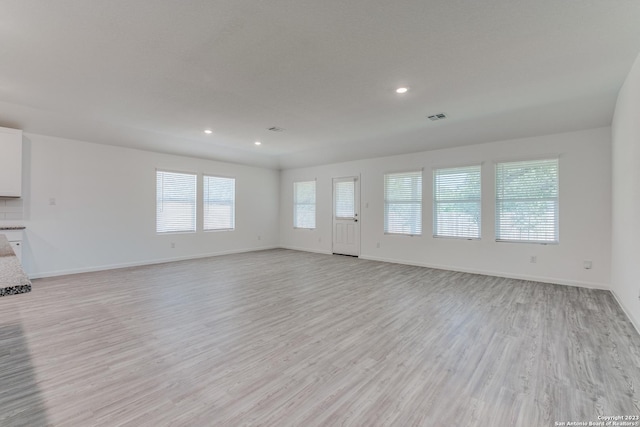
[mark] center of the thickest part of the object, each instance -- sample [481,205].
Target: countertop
[13,280]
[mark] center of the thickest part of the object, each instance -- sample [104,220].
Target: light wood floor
[284,338]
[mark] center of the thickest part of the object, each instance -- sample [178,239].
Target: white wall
[585,211]
[104,212]
[625,278]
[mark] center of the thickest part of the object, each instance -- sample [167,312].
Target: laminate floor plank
[286,338]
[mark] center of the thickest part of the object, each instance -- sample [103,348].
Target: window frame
[336,183]
[195,201]
[295,203]
[387,203]
[556,199]
[204,203]
[477,201]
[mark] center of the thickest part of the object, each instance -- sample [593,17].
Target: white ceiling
[153,74]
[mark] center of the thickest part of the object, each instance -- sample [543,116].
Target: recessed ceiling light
[258,143]
[402,90]
[208,131]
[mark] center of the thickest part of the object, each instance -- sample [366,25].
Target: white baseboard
[543,279]
[141,263]
[635,322]
[316,251]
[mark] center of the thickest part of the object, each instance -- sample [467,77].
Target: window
[527,201]
[304,204]
[456,202]
[219,208]
[403,203]
[175,202]
[345,199]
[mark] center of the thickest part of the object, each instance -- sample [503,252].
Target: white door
[346,225]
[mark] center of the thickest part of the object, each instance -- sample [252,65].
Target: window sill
[457,238]
[165,233]
[532,242]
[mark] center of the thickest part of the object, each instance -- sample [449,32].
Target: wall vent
[276,129]
[438,116]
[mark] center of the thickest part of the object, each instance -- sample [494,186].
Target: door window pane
[345,199]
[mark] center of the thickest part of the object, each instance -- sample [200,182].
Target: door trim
[356,219]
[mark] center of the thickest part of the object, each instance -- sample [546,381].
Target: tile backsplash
[11,209]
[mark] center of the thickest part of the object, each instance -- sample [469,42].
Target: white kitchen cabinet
[15,240]
[10,162]
[17,249]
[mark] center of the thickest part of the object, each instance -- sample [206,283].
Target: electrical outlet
[378,245]
[588,265]
[173,245]
[533,259]
[259,237]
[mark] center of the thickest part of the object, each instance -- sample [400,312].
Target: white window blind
[219,203]
[527,201]
[345,199]
[175,202]
[456,202]
[403,203]
[304,204]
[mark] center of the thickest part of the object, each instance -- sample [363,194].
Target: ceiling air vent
[276,129]
[438,116]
